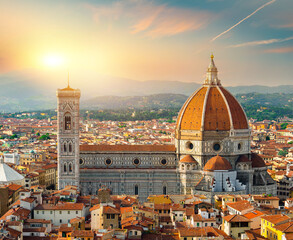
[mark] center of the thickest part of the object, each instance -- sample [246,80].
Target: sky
[252,40]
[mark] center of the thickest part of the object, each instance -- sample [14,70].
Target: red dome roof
[243,158]
[211,108]
[188,159]
[217,163]
[257,161]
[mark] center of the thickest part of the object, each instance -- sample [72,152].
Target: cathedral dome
[217,163]
[211,108]
[188,159]
[257,161]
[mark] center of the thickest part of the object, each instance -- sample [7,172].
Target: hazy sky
[252,40]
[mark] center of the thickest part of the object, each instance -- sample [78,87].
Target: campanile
[68,136]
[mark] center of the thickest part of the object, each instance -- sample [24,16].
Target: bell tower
[68,136]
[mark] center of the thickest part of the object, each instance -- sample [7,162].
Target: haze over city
[101,42]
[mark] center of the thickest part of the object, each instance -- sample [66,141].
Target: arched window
[182,166]
[64,147]
[136,190]
[164,190]
[70,147]
[65,168]
[67,122]
[70,167]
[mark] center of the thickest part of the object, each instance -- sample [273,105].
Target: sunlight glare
[53,60]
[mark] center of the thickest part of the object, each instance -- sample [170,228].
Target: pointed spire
[212,73]
[68,86]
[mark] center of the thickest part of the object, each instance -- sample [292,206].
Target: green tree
[283,153]
[44,137]
[284,125]
[13,136]
[267,138]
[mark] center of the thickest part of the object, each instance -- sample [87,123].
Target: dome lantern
[212,74]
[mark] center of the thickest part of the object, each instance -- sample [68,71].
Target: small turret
[212,74]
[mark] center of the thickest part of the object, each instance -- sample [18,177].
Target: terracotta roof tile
[240,205]
[217,163]
[275,218]
[257,161]
[188,159]
[236,218]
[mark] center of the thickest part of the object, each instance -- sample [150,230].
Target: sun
[53,60]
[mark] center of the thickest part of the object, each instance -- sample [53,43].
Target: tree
[44,137]
[13,136]
[267,138]
[283,153]
[284,125]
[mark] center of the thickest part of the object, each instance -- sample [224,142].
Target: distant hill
[26,91]
[157,101]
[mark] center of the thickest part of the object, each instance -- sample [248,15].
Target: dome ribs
[216,112]
[191,113]
[237,113]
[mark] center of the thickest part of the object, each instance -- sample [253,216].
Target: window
[136,190]
[136,161]
[64,147]
[70,167]
[76,212]
[65,170]
[70,147]
[164,190]
[68,212]
[108,161]
[163,161]
[217,147]
[239,146]
[67,122]
[189,145]
[60,212]
[60,221]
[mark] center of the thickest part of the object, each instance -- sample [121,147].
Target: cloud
[280,50]
[262,42]
[250,15]
[172,21]
[289,25]
[112,12]
[150,19]
[146,22]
